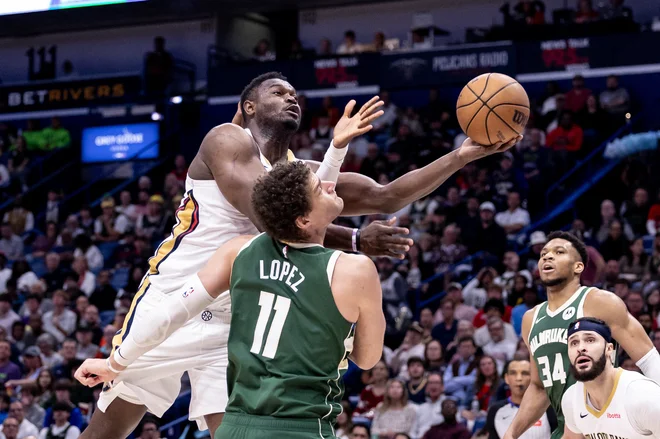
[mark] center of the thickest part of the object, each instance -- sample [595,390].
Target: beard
[553,282]
[591,374]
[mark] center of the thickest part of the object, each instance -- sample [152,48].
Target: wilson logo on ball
[519,118]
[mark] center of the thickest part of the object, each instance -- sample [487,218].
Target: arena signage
[57,95]
[445,66]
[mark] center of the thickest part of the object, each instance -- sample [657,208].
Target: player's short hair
[280,197]
[577,243]
[247,93]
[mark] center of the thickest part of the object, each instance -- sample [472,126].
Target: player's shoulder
[603,304]
[226,138]
[355,265]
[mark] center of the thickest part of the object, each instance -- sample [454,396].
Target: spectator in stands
[576,98]
[154,224]
[262,51]
[128,209]
[494,308]
[85,280]
[593,122]
[60,322]
[433,355]
[344,423]
[498,347]
[25,427]
[23,275]
[46,383]
[56,136]
[63,416]
[9,428]
[323,133]
[567,137]
[462,371]
[68,353]
[450,251]
[109,226]
[615,9]
[553,117]
[462,311]
[378,44]
[515,218]
[149,429]
[105,294]
[494,291]
[607,216]
[374,393]
[390,111]
[361,431]
[411,347]
[636,211]
[55,274]
[87,222]
[86,349]
[445,331]
[635,303]
[529,300]
[417,383]
[350,45]
[7,315]
[615,100]
[32,361]
[63,396]
[19,218]
[395,413]
[488,380]
[33,411]
[616,245]
[585,12]
[159,68]
[8,370]
[450,428]
[86,249]
[475,292]
[46,242]
[33,136]
[429,413]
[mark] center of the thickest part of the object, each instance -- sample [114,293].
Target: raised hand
[471,150]
[349,127]
[381,238]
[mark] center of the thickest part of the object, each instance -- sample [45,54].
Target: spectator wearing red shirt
[494,292]
[576,98]
[567,136]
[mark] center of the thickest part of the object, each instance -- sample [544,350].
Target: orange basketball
[492,108]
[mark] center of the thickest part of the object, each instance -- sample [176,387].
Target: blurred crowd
[453,306]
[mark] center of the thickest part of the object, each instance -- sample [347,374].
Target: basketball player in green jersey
[299,312]
[544,329]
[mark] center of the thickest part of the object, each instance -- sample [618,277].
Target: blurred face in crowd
[487,366]
[108,333]
[653,298]
[360,432]
[646,321]
[448,310]
[612,83]
[5,306]
[635,302]
[464,329]
[395,390]
[5,351]
[82,302]
[434,386]
[59,301]
[16,411]
[426,318]
[412,337]
[149,431]
[641,197]
[92,315]
[18,331]
[35,321]
[494,292]
[637,247]
[45,379]
[621,289]
[453,196]
[612,269]
[84,337]
[559,262]
[519,283]
[68,351]
[448,409]
[615,230]
[379,372]
[513,201]
[607,210]
[10,428]
[32,362]
[518,377]
[60,417]
[6,231]
[578,82]
[455,295]
[434,351]
[416,370]
[487,215]
[52,261]
[466,349]
[472,205]
[511,261]
[496,330]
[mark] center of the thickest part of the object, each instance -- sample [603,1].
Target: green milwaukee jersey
[548,345]
[288,342]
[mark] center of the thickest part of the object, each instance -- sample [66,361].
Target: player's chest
[611,424]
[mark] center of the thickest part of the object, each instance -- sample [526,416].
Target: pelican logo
[519,118]
[408,66]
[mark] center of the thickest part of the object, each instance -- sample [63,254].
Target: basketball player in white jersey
[606,402]
[215,209]
[517,375]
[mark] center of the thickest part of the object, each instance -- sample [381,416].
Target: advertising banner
[120,142]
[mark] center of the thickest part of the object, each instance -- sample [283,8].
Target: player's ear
[578,267]
[249,107]
[302,222]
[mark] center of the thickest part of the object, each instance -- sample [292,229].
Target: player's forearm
[338,238]
[363,196]
[534,404]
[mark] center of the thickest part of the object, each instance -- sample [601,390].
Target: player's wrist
[113,366]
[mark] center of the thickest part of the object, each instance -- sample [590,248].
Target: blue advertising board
[120,142]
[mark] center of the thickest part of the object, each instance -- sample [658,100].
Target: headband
[588,325]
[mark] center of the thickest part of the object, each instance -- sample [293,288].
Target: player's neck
[559,294]
[273,142]
[600,389]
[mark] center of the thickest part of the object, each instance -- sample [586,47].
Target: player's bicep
[229,154]
[526,328]
[216,274]
[370,328]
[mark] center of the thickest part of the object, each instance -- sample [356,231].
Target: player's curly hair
[247,93]
[281,196]
[577,243]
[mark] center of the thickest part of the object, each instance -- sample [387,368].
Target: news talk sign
[40,96]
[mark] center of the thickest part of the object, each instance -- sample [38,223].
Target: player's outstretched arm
[150,329]
[535,401]
[356,283]
[642,405]
[626,330]
[363,196]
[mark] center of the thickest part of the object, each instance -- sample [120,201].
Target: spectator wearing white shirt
[390,112]
[109,226]
[7,315]
[515,218]
[349,46]
[412,346]
[494,308]
[5,273]
[511,262]
[461,310]
[60,322]
[25,427]
[49,358]
[10,243]
[127,208]
[86,281]
[429,413]
[61,427]
[91,253]
[498,347]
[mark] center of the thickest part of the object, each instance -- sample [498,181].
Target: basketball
[492,108]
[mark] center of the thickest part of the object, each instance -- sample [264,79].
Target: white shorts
[154,380]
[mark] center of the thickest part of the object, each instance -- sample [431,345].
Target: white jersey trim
[331,265]
[563,305]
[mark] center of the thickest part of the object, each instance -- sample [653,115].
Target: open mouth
[582,362]
[547,268]
[292,111]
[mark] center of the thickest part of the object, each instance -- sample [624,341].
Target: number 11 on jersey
[282,305]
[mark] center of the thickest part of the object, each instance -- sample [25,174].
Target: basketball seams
[500,118]
[486,125]
[485,104]
[467,128]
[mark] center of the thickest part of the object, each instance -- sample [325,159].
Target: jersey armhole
[247,244]
[537,308]
[332,262]
[580,308]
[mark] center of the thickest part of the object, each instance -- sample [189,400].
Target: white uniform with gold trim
[205,220]
[631,412]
